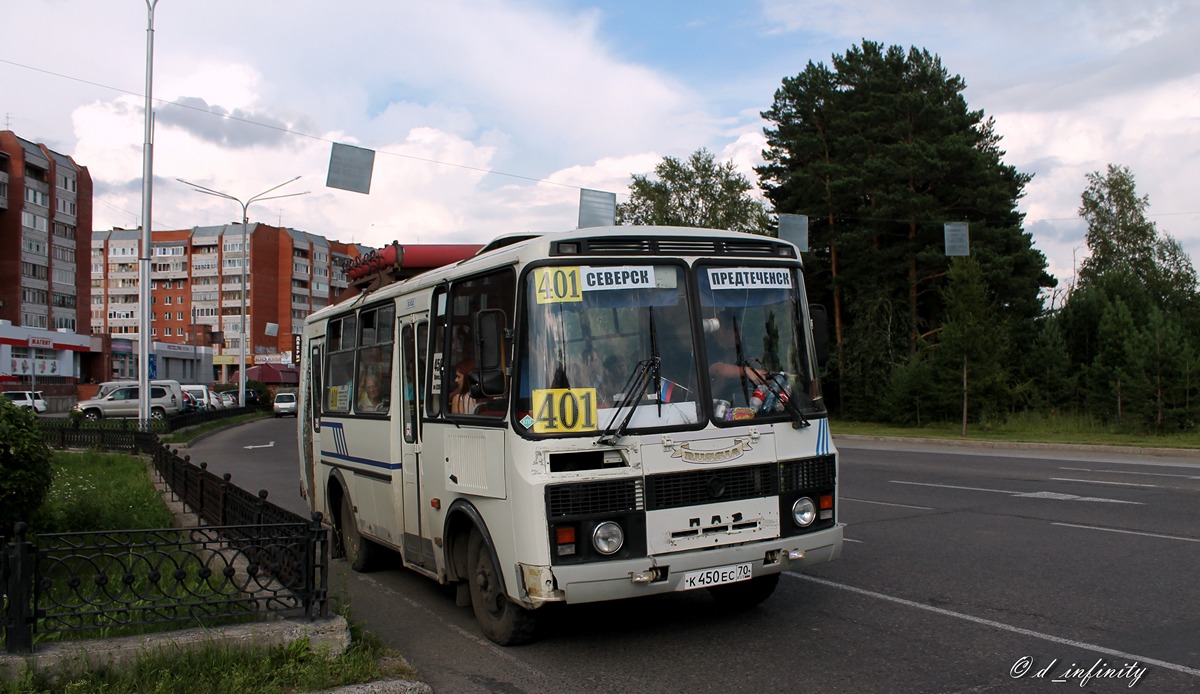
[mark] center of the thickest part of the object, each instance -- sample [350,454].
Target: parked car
[205,398]
[189,403]
[171,385]
[228,399]
[123,402]
[27,400]
[285,404]
[251,398]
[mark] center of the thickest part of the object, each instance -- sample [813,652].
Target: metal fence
[248,557]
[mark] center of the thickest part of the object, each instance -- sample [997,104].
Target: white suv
[27,400]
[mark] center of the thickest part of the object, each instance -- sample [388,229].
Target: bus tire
[360,552]
[745,594]
[501,620]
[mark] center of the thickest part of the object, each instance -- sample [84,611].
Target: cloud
[229,128]
[572,95]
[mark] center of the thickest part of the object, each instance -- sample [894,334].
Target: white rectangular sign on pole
[597,208]
[958,240]
[794,228]
[350,168]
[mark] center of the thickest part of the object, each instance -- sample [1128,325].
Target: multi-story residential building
[196,293]
[45,222]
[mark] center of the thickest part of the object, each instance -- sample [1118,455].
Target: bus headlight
[608,538]
[804,512]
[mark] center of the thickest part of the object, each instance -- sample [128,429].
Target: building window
[37,197]
[33,221]
[37,272]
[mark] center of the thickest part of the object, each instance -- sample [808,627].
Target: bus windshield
[607,345]
[759,362]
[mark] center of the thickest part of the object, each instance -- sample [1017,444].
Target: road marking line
[951,486]
[1027,495]
[846,539]
[884,503]
[1128,532]
[1131,472]
[1119,484]
[999,625]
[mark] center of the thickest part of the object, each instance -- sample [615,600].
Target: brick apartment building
[45,232]
[69,296]
[196,295]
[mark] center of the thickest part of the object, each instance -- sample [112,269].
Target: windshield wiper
[741,359]
[631,397]
[777,390]
[657,361]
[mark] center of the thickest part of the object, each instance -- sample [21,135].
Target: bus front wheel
[360,552]
[501,620]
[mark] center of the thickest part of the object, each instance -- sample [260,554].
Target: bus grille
[809,473]
[591,498]
[679,489]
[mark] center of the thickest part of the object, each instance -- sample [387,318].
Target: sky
[488,116]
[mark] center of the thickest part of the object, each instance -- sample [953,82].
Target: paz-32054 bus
[575,417]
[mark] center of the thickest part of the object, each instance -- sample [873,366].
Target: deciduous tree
[698,192]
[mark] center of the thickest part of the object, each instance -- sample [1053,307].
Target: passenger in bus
[587,370]
[461,401]
[612,382]
[729,378]
[373,395]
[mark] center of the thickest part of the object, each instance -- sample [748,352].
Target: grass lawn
[1026,428]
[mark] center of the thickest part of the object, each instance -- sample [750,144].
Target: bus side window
[492,294]
[436,375]
[339,373]
[376,344]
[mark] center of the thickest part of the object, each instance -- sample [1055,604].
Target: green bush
[25,469]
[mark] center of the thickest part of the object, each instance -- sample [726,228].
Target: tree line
[880,149]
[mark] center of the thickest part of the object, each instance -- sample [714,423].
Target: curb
[382,687]
[68,657]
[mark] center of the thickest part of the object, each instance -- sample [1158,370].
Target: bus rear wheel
[360,552]
[745,594]
[501,620]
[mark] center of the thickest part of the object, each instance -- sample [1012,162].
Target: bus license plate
[715,577]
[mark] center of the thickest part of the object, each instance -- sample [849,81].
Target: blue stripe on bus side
[341,449]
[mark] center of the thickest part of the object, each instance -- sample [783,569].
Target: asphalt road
[965,570]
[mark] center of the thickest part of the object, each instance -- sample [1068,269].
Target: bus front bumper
[615,580]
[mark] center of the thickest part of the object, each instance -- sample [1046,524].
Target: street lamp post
[245,260]
[144,260]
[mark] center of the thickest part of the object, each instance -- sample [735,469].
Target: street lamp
[144,260]
[245,260]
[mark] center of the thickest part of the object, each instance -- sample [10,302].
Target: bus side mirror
[489,352]
[820,333]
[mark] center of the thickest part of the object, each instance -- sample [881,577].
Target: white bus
[574,417]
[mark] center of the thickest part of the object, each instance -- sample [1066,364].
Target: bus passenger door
[414,335]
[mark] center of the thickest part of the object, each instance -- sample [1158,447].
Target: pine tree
[879,151]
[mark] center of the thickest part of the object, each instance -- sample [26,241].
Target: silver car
[123,402]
